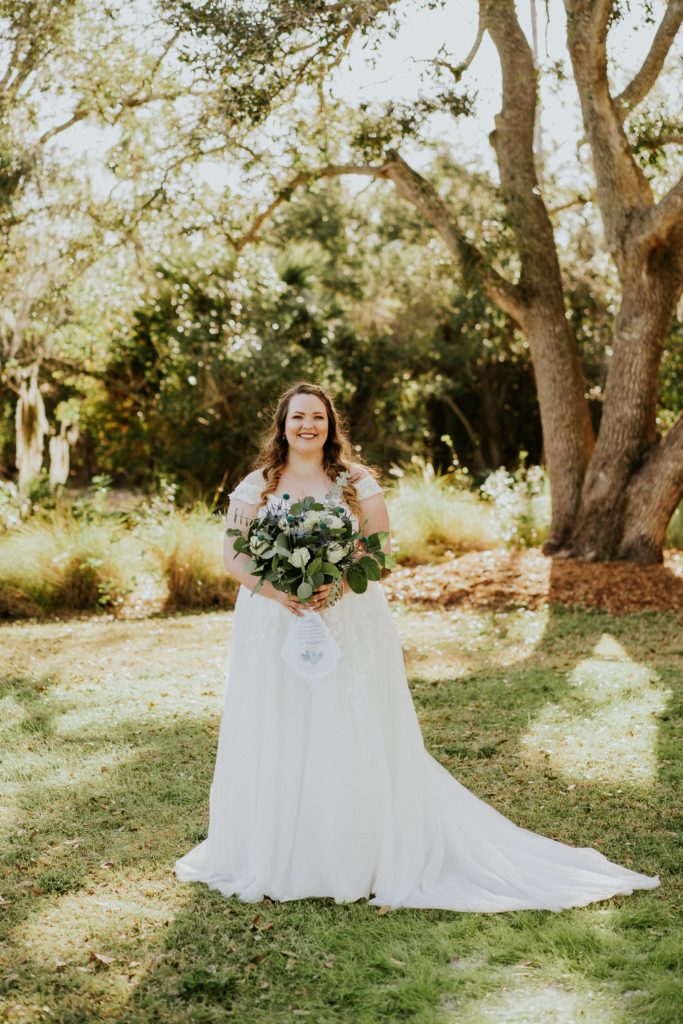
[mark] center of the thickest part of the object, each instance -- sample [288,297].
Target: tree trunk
[613,503]
[491,405]
[652,498]
[565,420]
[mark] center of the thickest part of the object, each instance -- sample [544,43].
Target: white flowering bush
[521,503]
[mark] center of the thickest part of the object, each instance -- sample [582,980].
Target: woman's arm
[240,515]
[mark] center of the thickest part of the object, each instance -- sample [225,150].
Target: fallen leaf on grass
[256,927]
[60,965]
[383,910]
[100,958]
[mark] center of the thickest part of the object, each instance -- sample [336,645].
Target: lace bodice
[250,493]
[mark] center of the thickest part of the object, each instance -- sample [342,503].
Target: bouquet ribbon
[309,647]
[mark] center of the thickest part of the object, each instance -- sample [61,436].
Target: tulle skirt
[325,788]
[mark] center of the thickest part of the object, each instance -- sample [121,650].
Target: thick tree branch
[567,429]
[623,191]
[422,194]
[640,85]
[660,220]
[418,191]
[513,141]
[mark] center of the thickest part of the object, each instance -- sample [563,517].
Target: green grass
[109,731]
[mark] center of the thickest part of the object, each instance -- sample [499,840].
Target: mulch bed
[490,579]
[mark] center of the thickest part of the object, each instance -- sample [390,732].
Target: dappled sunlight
[12,712]
[605,728]
[98,920]
[53,772]
[107,653]
[526,1001]
[453,644]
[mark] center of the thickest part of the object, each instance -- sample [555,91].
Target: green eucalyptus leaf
[357,579]
[370,568]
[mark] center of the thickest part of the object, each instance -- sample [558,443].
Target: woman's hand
[320,595]
[292,603]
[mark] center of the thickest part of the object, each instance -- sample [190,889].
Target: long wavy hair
[338,454]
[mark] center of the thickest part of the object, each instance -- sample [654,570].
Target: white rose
[300,557]
[310,520]
[334,522]
[335,553]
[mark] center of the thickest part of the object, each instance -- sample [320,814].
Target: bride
[325,788]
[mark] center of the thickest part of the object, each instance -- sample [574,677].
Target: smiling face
[307,424]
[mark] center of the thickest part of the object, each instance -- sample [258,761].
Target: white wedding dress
[325,788]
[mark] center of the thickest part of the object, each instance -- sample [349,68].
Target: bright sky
[396,73]
[455,26]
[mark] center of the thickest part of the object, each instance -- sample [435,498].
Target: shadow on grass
[184,953]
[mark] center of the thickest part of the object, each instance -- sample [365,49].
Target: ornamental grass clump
[188,550]
[65,565]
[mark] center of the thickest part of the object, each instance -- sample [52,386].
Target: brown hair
[337,450]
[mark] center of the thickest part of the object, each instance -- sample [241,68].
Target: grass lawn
[564,721]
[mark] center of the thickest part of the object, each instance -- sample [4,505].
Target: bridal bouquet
[311,543]
[305,546]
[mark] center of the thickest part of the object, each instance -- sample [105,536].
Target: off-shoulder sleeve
[247,492]
[367,487]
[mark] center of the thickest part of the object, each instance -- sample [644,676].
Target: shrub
[64,565]
[188,547]
[431,517]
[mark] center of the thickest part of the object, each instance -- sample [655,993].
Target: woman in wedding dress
[324,788]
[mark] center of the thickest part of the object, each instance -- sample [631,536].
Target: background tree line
[157,316]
